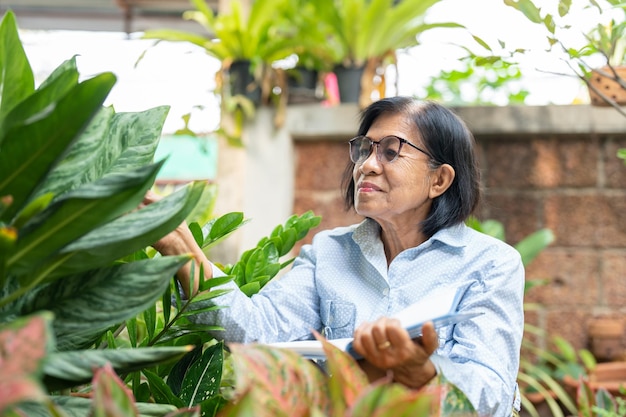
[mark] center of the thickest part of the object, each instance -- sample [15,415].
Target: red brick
[320,165]
[572,275]
[613,278]
[518,213]
[589,219]
[614,168]
[507,163]
[570,324]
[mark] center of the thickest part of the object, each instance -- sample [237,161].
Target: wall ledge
[313,121]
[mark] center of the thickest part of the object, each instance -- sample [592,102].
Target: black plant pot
[349,83]
[302,84]
[242,82]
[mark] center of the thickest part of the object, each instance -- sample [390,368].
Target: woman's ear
[441,180]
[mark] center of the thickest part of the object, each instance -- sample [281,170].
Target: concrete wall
[553,166]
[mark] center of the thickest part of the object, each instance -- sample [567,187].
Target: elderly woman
[412,174]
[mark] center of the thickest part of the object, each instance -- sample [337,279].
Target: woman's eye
[390,154]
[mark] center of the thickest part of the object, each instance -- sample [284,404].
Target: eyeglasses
[388,149]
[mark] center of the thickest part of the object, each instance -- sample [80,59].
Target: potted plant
[247,43]
[364,35]
[313,55]
[277,382]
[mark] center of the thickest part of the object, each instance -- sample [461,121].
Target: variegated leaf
[69,369]
[47,135]
[77,213]
[86,305]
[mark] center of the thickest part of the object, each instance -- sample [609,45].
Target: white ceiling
[102,15]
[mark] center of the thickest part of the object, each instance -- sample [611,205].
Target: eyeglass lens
[388,149]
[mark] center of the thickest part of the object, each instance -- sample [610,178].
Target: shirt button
[386,292]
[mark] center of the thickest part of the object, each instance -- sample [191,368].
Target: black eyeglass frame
[378,156]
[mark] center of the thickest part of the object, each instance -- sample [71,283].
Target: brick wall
[549,167]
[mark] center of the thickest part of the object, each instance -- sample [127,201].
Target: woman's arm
[181,241]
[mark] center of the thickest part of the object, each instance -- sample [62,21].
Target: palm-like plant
[367,33]
[250,41]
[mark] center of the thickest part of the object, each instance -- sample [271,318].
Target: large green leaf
[16,78]
[160,391]
[81,407]
[533,244]
[34,143]
[77,213]
[86,305]
[112,142]
[203,378]
[69,369]
[127,234]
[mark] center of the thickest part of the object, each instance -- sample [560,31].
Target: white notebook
[439,308]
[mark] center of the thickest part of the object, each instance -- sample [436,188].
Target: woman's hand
[180,241]
[386,346]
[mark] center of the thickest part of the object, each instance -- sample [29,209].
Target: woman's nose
[371,163]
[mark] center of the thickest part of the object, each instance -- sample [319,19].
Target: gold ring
[384,345]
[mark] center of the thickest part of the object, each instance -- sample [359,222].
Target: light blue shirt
[341,280]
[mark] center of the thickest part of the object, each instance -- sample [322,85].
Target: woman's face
[398,193]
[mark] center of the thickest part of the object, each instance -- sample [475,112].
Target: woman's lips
[368,187]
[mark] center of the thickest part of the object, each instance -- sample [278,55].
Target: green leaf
[69,369]
[47,135]
[72,406]
[196,231]
[112,142]
[177,373]
[86,305]
[250,288]
[533,244]
[288,240]
[161,392]
[149,317]
[128,233]
[16,79]
[78,212]
[202,380]
[225,224]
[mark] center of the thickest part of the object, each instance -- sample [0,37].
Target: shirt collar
[367,233]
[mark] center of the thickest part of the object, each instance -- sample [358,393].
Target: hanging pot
[242,81]
[303,85]
[600,85]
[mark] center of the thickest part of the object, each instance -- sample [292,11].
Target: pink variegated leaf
[382,399]
[22,350]
[347,379]
[450,400]
[281,380]
[111,397]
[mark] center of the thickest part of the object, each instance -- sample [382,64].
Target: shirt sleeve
[286,309]
[488,347]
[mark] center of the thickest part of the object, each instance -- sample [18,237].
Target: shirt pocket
[338,319]
[445,336]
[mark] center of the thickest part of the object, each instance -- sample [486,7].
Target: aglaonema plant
[276,382]
[72,176]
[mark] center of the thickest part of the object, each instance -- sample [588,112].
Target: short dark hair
[447,138]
